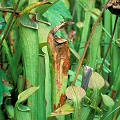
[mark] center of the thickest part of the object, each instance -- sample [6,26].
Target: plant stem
[8,26]
[109,46]
[87,45]
[77,113]
[11,11]
[10,61]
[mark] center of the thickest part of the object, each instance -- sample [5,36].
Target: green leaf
[42,44]
[106,69]
[78,83]
[117,42]
[72,76]
[4,89]
[26,94]
[22,115]
[72,73]
[9,110]
[56,13]
[3,75]
[84,4]
[22,107]
[53,17]
[62,9]
[95,13]
[108,101]
[75,53]
[118,117]
[27,22]
[41,10]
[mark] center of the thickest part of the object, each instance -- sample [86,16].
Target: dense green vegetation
[59,60]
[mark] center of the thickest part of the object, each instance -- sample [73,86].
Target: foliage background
[25,63]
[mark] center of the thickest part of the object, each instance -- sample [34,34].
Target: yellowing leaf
[80,24]
[75,92]
[96,81]
[64,110]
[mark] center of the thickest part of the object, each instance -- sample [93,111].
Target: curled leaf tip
[62,25]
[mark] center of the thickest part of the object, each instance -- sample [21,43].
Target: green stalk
[13,66]
[107,26]
[115,62]
[5,30]
[85,32]
[87,113]
[48,86]
[94,45]
[18,50]
[116,85]
[115,54]
[29,40]
[116,114]
[116,32]
[95,98]
[41,93]
[107,113]
[77,113]
[86,28]
[44,75]
[9,24]
[33,63]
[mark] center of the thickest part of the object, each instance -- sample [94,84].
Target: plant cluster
[59,60]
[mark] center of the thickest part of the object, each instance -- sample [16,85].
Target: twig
[5,34]
[11,11]
[109,46]
[87,45]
